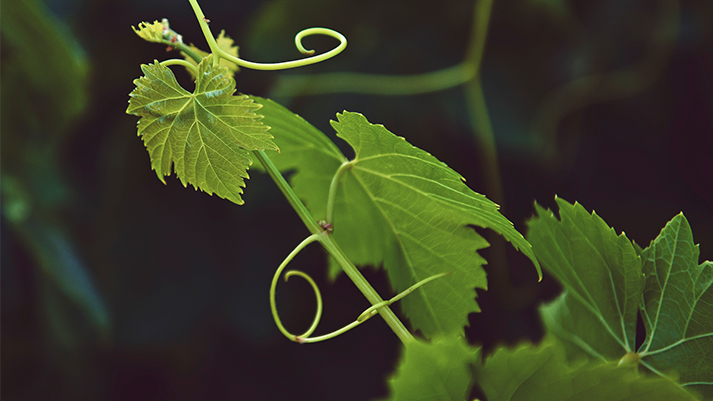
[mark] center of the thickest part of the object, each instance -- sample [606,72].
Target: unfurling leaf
[150,32]
[224,42]
[205,135]
[542,373]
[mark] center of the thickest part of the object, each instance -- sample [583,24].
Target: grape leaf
[677,308]
[599,269]
[226,43]
[305,150]
[397,206]
[436,371]
[596,313]
[206,135]
[533,373]
[400,206]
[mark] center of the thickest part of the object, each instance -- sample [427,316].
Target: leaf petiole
[175,61]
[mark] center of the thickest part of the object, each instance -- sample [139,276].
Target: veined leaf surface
[542,373]
[205,135]
[599,269]
[605,289]
[401,207]
[396,206]
[677,308]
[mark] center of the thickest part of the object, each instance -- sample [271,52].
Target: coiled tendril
[364,316]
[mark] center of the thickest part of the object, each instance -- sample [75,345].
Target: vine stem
[220,53]
[333,249]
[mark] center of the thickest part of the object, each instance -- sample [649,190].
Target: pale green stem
[183,48]
[220,53]
[372,84]
[333,249]
[329,218]
[180,62]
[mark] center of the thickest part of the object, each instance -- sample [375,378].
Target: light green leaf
[677,308]
[599,269]
[206,135]
[402,207]
[533,373]
[440,370]
[305,150]
[150,32]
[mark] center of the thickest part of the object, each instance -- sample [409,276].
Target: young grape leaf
[599,269]
[226,43]
[150,32]
[534,373]
[305,150]
[440,370]
[206,135]
[677,308]
[400,206]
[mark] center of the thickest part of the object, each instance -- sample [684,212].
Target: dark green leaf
[678,308]
[599,269]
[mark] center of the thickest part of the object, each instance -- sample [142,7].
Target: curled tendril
[363,317]
[220,53]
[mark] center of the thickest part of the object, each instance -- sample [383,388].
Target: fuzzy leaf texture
[438,371]
[604,290]
[205,135]
[542,373]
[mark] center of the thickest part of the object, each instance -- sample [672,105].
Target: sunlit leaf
[542,373]
[401,207]
[678,308]
[439,371]
[205,135]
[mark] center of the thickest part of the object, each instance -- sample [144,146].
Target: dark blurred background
[116,287]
